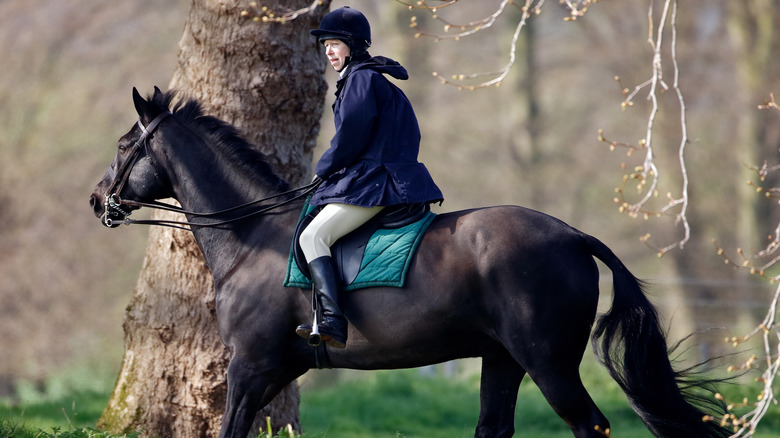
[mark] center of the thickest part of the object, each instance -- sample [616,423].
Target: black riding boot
[333,327]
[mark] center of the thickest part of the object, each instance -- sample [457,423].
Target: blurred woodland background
[69,67]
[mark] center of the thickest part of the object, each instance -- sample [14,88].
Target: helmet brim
[323,35]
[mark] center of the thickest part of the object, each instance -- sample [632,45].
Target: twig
[769,329]
[577,8]
[265,14]
[648,175]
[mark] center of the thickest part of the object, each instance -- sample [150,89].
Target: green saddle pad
[385,262]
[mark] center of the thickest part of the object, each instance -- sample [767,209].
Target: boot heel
[332,329]
[335,343]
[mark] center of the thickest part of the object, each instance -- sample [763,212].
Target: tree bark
[267,79]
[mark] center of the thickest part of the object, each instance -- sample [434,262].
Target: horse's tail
[629,341]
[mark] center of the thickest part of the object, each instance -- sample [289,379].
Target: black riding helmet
[348,25]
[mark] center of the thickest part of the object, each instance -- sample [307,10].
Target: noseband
[113,203]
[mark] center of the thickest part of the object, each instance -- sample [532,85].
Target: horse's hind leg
[562,387]
[553,360]
[501,377]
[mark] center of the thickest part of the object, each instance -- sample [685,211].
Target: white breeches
[332,223]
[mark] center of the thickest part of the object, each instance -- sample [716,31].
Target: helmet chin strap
[344,68]
[364,55]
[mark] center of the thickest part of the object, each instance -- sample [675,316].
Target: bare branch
[746,423]
[577,8]
[647,174]
[454,31]
[768,331]
[466,29]
[424,5]
[264,14]
[770,103]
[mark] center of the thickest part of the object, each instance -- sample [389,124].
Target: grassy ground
[66,406]
[383,404]
[400,404]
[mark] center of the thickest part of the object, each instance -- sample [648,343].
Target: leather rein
[113,202]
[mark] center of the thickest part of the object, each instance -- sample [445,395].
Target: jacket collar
[379,63]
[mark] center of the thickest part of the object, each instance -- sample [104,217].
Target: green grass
[78,408]
[399,403]
[67,405]
[9,429]
[392,404]
[381,404]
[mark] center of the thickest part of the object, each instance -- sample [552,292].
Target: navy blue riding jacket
[372,159]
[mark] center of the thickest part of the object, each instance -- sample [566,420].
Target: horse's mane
[222,135]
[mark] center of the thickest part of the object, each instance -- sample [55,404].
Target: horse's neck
[221,186]
[218,186]
[213,189]
[224,247]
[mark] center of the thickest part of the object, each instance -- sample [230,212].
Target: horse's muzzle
[111,213]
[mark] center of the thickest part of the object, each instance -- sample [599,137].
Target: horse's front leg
[251,388]
[247,382]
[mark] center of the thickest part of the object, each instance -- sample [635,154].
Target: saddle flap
[348,251]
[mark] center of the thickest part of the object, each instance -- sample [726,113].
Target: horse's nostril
[94,202]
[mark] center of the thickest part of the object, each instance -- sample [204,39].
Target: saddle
[347,252]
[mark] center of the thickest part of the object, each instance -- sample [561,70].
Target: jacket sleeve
[355,120]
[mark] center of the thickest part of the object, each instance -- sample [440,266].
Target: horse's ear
[141,105]
[157,98]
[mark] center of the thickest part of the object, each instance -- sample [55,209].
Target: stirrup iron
[314,337]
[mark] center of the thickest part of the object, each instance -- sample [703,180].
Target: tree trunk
[525,137]
[267,79]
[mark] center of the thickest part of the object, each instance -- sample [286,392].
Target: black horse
[513,286]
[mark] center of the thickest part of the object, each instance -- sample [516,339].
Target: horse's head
[134,174]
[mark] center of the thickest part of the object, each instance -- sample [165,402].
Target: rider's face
[337,53]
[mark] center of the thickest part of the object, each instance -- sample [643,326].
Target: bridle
[114,203]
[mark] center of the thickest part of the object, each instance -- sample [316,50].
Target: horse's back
[481,274]
[512,255]
[506,233]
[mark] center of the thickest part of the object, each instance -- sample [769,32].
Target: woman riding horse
[513,286]
[516,287]
[372,160]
